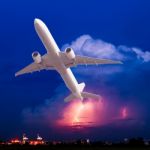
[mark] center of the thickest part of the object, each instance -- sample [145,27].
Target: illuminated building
[24,139]
[15,141]
[38,141]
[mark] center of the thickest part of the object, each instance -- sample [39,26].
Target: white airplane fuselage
[54,57]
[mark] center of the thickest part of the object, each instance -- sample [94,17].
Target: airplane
[54,59]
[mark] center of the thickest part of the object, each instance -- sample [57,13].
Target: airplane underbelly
[69,80]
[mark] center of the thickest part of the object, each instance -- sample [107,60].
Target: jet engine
[70,53]
[37,57]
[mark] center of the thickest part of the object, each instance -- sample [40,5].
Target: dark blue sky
[118,22]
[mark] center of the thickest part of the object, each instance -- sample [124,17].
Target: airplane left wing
[32,68]
[83,60]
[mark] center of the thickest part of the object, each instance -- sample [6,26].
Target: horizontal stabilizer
[84,95]
[91,95]
[69,98]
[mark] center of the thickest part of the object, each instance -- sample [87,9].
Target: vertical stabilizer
[81,86]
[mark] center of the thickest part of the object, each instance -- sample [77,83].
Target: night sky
[34,103]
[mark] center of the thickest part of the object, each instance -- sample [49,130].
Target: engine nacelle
[70,53]
[37,57]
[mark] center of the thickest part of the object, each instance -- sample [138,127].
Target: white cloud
[86,45]
[142,55]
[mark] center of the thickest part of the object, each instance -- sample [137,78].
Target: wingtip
[16,74]
[120,62]
[99,98]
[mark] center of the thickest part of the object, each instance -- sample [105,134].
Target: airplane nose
[40,27]
[36,21]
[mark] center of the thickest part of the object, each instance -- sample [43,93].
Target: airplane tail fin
[71,96]
[83,94]
[91,95]
[81,86]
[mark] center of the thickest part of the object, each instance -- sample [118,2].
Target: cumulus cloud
[142,55]
[86,45]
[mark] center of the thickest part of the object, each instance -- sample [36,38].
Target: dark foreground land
[131,144]
[45,147]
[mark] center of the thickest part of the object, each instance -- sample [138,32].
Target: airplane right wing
[32,68]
